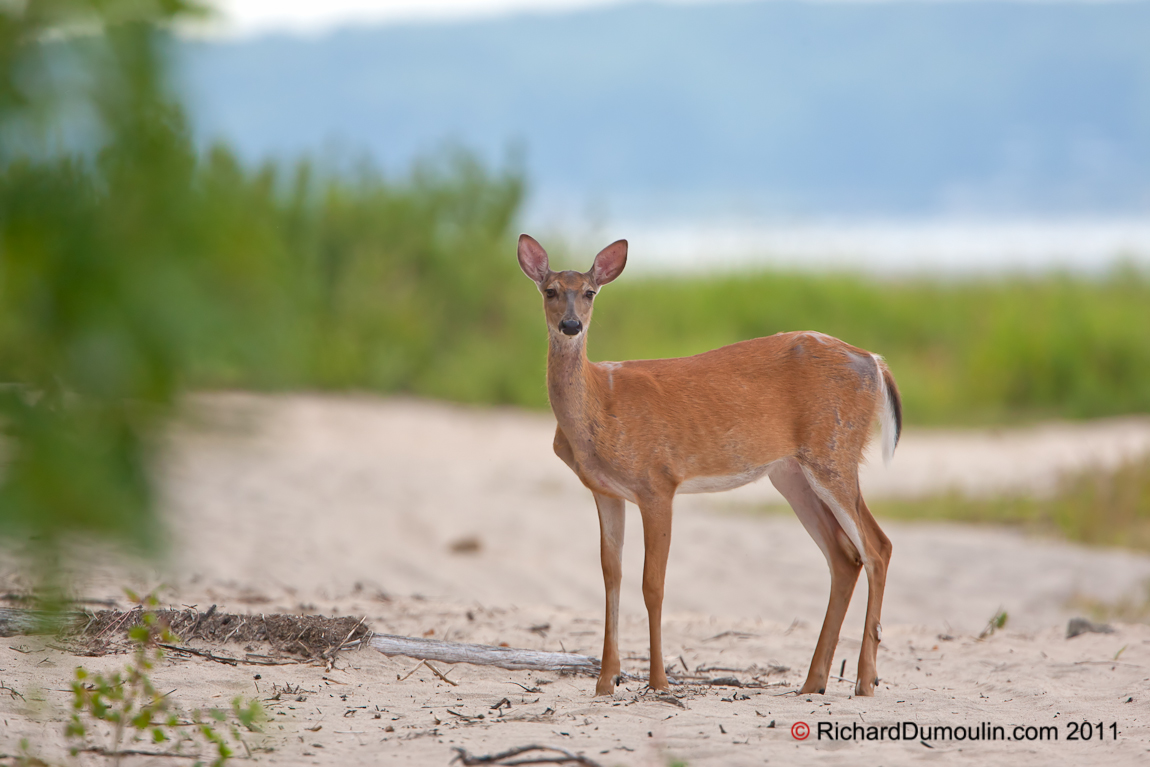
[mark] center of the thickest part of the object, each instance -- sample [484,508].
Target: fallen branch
[16,621]
[566,757]
[483,655]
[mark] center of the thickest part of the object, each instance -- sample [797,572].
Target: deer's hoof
[606,685]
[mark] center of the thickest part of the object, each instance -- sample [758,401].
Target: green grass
[1105,508]
[1096,507]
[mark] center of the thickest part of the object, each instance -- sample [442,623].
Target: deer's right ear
[609,263]
[533,259]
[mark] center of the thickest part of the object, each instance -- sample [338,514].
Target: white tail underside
[886,415]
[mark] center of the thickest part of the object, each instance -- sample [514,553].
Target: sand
[459,523]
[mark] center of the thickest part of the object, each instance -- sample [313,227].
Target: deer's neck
[572,388]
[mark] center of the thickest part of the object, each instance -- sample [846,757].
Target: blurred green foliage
[352,281]
[133,266]
[98,300]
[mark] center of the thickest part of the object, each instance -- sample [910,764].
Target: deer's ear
[533,259]
[610,262]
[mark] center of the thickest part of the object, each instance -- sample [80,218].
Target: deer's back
[741,405]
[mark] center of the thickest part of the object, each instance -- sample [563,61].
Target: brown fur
[795,406]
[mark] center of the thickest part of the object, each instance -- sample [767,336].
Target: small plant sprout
[994,624]
[129,704]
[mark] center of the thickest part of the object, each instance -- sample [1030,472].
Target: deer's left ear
[533,259]
[609,263]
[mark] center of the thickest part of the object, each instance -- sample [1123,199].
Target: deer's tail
[890,410]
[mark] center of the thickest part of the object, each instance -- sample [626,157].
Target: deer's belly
[718,484]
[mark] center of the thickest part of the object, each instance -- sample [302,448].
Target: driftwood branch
[483,655]
[16,621]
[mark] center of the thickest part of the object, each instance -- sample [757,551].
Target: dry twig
[440,674]
[507,758]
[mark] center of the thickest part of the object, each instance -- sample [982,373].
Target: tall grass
[368,282]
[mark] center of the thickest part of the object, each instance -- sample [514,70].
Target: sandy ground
[353,505]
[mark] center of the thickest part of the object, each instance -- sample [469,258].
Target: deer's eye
[590,294]
[550,293]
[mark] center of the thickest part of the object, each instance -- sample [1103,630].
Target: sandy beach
[459,523]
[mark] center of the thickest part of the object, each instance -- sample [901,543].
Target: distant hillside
[775,107]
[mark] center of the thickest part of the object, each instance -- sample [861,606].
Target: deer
[797,407]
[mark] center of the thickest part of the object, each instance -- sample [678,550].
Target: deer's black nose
[571,327]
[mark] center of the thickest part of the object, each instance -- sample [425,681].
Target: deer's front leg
[656,514]
[612,516]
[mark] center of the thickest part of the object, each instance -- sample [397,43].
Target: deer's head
[568,296]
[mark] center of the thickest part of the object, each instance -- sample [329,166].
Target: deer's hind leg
[879,549]
[842,559]
[839,490]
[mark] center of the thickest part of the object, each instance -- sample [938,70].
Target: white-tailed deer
[796,407]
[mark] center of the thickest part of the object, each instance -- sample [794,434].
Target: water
[883,247]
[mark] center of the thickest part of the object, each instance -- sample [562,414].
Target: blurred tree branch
[100,295]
